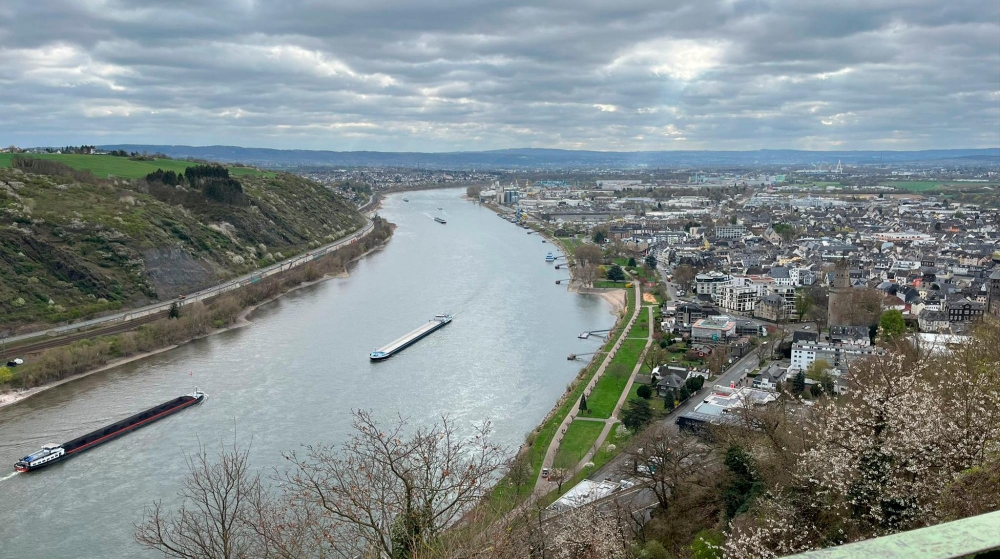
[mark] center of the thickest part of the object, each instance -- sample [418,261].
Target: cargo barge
[406,341]
[52,453]
[440,220]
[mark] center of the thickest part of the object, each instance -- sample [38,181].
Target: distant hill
[555,158]
[73,245]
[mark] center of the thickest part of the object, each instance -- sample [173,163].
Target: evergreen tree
[636,414]
[668,401]
[631,262]
[616,274]
[644,392]
[799,383]
[684,394]
[583,402]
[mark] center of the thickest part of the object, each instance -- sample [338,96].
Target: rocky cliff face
[73,249]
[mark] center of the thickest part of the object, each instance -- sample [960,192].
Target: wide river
[292,376]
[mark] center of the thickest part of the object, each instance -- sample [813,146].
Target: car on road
[182,297]
[545,473]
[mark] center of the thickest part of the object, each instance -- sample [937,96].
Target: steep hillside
[74,246]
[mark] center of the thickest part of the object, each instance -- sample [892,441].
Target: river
[293,375]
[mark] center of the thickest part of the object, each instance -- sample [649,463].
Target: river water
[293,375]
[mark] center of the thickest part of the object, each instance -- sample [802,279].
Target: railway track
[56,341]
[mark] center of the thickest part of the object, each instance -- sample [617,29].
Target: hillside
[73,245]
[104,166]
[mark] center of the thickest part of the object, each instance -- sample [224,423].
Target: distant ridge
[556,158]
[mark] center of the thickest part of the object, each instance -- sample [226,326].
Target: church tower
[837,304]
[993,293]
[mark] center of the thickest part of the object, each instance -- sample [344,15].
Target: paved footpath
[610,422]
[543,486]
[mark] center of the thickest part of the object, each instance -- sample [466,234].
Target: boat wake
[12,474]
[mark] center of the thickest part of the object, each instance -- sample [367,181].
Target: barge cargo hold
[406,341]
[52,453]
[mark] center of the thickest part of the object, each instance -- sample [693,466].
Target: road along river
[293,375]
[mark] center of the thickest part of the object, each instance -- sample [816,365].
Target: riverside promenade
[543,486]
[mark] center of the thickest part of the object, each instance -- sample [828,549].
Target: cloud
[441,75]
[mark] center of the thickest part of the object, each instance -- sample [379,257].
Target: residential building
[714,329]
[711,283]
[771,307]
[965,310]
[836,355]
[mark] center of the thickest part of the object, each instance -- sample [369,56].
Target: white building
[711,283]
[805,353]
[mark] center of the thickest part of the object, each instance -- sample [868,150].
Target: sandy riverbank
[243,319]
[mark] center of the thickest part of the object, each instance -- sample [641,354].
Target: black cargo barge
[52,453]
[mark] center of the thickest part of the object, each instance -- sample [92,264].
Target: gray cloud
[459,75]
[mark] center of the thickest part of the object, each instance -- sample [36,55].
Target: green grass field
[604,455]
[921,186]
[609,388]
[579,438]
[571,243]
[104,166]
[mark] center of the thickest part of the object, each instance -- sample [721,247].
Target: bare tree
[386,492]
[654,356]
[716,360]
[586,274]
[226,513]
[588,255]
[665,462]
[684,276]
[519,471]
[558,476]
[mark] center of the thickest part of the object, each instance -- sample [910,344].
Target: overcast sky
[442,75]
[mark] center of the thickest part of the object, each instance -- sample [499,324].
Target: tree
[616,274]
[861,307]
[519,471]
[393,489]
[583,402]
[684,276]
[816,390]
[600,236]
[799,383]
[631,262]
[892,325]
[473,192]
[672,462]
[587,274]
[668,400]
[803,303]
[636,414]
[588,255]
[716,360]
[817,368]
[225,514]
[174,311]
[694,383]
[644,392]
[654,357]
[558,476]
[684,393]
[651,261]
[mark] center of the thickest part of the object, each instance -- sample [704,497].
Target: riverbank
[540,444]
[241,319]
